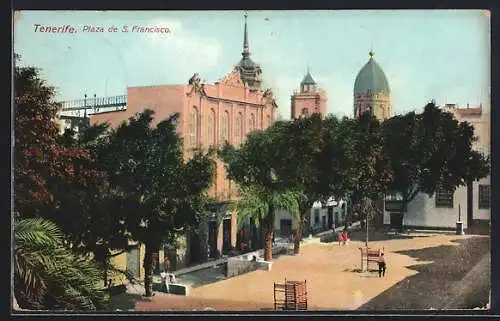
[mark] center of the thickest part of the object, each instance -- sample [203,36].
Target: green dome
[371,79]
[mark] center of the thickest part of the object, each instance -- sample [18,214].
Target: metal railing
[94,103]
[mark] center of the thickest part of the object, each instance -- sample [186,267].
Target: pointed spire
[246,48]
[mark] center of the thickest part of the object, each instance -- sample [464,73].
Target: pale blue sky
[425,54]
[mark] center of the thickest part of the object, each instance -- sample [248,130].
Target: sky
[426,54]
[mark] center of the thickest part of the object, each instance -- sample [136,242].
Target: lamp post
[460,225]
[366,209]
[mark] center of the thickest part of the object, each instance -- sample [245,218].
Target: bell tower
[251,73]
[309,99]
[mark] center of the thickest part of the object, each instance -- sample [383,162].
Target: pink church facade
[210,115]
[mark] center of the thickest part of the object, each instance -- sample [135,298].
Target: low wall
[237,267]
[180,289]
[332,235]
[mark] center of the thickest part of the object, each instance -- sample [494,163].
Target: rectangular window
[444,198]
[484,196]
[316,216]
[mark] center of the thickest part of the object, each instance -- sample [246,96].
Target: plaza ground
[425,271]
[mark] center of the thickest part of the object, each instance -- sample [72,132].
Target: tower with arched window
[309,100]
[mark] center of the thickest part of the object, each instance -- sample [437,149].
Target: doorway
[470,208]
[212,239]
[285,227]
[330,216]
[194,248]
[226,235]
[397,221]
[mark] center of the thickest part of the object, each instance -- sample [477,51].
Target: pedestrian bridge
[93,105]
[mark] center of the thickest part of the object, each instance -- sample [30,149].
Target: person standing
[381,266]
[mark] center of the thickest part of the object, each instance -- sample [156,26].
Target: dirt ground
[423,271]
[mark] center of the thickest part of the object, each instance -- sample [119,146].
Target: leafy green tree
[49,276]
[57,177]
[261,205]
[363,168]
[162,195]
[41,163]
[262,190]
[431,150]
[97,224]
[300,165]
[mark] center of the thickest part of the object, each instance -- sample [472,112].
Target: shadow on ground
[373,236]
[441,284]
[479,228]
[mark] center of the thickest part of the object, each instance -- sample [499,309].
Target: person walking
[381,266]
[345,237]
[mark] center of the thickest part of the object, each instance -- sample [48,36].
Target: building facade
[469,204]
[210,115]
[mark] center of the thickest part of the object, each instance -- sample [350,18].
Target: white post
[366,226]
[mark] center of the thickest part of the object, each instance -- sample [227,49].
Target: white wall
[323,212]
[283,215]
[423,212]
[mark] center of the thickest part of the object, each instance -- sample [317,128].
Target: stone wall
[238,267]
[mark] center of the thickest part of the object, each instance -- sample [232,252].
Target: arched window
[238,128]
[305,112]
[268,121]
[251,123]
[193,127]
[224,132]
[211,127]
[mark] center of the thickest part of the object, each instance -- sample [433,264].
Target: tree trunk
[269,230]
[300,230]
[148,270]
[254,234]
[262,231]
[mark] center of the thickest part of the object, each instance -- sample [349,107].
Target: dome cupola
[371,79]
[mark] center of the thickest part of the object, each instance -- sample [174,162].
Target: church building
[469,204]
[371,91]
[210,115]
[309,99]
